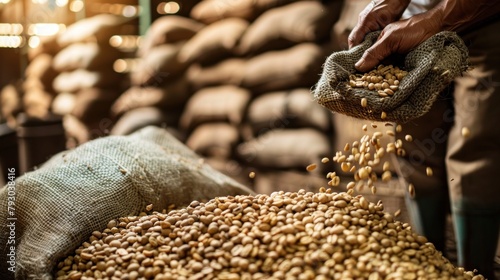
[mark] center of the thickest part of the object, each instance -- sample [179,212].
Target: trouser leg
[429,206]
[473,162]
[476,237]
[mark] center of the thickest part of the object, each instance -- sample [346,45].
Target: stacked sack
[276,62]
[87,85]
[249,66]
[37,86]
[34,94]
[159,88]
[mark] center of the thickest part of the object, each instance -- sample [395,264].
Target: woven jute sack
[285,149]
[76,192]
[214,140]
[431,67]
[167,30]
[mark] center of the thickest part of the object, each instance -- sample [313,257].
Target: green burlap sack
[431,67]
[76,192]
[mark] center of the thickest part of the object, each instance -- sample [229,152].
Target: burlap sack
[305,21]
[76,192]
[215,140]
[80,79]
[209,11]
[93,104]
[78,132]
[215,104]
[213,42]
[285,148]
[63,103]
[11,103]
[172,95]
[40,73]
[35,83]
[48,45]
[233,169]
[160,65]
[139,118]
[431,67]
[90,56]
[298,66]
[36,103]
[98,28]
[287,109]
[166,30]
[227,72]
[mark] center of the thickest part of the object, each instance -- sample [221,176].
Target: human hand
[376,16]
[400,37]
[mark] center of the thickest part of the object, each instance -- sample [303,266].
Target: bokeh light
[76,6]
[171,7]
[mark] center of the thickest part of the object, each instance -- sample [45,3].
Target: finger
[357,34]
[362,26]
[374,55]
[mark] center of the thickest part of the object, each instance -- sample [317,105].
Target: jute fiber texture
[77,192]
[431,67]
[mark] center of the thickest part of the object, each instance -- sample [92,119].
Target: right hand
[376,16]
[400,37]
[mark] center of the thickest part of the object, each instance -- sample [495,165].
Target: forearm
[459,15]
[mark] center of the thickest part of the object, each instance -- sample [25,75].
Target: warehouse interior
[229,79]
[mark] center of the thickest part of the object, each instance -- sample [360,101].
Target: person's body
[466,169]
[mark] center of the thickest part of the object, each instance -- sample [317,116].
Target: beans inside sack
[383,79]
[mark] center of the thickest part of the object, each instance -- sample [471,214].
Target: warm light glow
[16,28]
[4,28]
[4,1]
[34,42]
[172,7]
[120,65]
[129,11]
[76,6]
[124,41]
[11,28]
[116,41]
[62,27]
[11,41]
[168,8]
[45,29]
[61,3]
[116,9]
[39,1]
[126,65]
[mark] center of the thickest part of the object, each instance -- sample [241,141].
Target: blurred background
[230,78]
